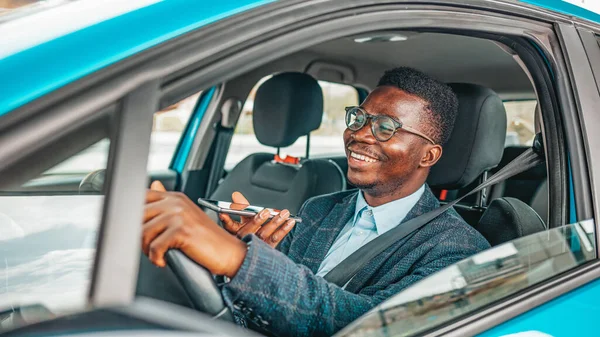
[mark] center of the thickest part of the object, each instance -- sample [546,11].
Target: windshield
[479,281]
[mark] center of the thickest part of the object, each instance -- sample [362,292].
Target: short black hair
[442,103]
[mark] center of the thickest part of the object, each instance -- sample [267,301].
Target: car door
[561,262]
[134,94]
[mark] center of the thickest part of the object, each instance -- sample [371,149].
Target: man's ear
[433,153]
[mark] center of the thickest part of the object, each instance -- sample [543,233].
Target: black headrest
[477,140]
[287,106]
[507,219]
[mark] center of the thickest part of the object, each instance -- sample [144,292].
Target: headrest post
[481,200]
[307,145]
[278,151]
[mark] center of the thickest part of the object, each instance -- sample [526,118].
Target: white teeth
[362,157]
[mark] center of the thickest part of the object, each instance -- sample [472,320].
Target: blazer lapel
[327,231]
[426,203]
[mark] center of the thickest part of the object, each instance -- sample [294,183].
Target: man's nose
[364,134]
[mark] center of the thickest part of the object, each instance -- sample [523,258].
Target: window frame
[328,18]
[125,180]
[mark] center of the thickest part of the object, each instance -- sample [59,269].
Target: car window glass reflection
[478,281]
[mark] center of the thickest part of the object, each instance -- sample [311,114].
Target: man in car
[391,142]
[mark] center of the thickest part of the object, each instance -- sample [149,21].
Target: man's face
[388,164]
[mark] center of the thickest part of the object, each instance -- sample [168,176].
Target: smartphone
[239,209]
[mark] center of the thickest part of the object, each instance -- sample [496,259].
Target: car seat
[475,145]
[507,219]
[286,107]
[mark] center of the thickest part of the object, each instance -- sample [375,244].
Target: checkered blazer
[276,290]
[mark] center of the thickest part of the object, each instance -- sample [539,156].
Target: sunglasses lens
[355,119]
[383,128]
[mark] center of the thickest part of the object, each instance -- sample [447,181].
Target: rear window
[520,116]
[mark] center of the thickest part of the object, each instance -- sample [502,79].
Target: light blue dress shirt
[367,224]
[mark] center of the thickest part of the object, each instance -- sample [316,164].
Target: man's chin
[363,184]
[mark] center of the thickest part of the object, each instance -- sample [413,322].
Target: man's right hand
[272,232]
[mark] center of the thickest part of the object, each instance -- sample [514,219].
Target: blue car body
[40,66]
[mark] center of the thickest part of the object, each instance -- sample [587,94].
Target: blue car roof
[48,49]
[564,7]
[51,48]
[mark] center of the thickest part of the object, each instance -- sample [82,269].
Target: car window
[167,127]
[520,116]
[326,140]
[47,249]
[479,281]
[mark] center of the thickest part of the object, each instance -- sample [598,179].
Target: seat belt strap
[345,270]
[222,141]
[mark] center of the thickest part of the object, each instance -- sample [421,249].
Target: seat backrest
[524,185]
[477,140]
[540,202]
[507,219]
[286,107]
[475,145]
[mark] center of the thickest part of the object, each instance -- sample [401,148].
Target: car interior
[483,74]
[289,106]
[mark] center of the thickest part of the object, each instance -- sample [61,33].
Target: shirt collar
[388,216]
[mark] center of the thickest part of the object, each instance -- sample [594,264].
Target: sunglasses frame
[397,125]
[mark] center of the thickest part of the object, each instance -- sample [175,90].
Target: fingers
[281,233]
[157,186]
[239,198]
[153,209]
[250,227]
[152,196]
[159,246]
[231,226]
[265,232]
[152,229]
[156,192]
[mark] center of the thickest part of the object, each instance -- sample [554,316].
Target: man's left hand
[172,220]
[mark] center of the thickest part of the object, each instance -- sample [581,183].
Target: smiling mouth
[362,157]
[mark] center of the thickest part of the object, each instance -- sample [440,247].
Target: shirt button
[360,233]
[369,212]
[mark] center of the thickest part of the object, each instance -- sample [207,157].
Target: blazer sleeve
[287,299]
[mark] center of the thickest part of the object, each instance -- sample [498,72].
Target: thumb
[238,198]
[157,186]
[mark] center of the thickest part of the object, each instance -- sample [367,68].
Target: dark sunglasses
[382,127]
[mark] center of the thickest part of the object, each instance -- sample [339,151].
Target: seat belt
[230,113]
[345,270]
[224,136]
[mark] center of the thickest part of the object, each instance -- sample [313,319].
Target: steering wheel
[198,283]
